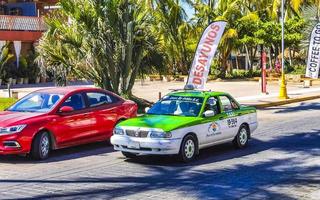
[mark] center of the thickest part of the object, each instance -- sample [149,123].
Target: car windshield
[177,105]
[36,102]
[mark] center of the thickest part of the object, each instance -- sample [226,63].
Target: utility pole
[283,88]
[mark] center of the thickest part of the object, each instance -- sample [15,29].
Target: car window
[97,99]
[75,101]
[36,102]
[212,104]
[228,104]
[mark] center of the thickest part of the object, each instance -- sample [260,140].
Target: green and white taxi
[185,121]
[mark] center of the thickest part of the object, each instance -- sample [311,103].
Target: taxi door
[214,127]
[229,116]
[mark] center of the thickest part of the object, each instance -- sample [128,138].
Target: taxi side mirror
[146,109]
[209,113]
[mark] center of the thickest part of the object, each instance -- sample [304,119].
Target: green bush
[215,70]
[6,102]
[296,69]
[242,74]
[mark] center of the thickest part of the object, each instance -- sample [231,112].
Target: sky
[189,10]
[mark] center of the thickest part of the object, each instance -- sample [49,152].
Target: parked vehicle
[62,117]
[183,122]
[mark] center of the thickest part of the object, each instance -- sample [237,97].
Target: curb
[287,101]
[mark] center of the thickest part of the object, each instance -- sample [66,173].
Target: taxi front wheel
[188,149]
[241,139]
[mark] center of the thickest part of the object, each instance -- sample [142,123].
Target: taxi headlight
[160,134]
[118,131]
[12,129]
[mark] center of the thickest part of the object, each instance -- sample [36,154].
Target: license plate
[134,145]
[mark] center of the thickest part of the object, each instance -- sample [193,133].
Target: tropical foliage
[6,102]
[5,56]
[111,42]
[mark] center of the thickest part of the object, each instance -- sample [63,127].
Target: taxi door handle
[239,114]
[220,118]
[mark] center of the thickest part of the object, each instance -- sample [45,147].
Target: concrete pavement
[282,161]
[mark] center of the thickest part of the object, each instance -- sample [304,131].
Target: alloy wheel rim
[189,149]
[243,136]
[44,146]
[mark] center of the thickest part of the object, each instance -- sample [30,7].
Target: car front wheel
[41,146]
[241,140]
[188,149]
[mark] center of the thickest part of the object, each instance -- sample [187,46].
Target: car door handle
[220,118]
[87,114]
[239,114]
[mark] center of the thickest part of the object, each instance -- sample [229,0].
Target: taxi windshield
[36,102]
[178,106]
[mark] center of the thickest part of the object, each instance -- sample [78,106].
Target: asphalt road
[282,161]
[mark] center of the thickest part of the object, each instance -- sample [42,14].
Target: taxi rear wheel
[128,154]
[41,146]
[188,149]
[241,140]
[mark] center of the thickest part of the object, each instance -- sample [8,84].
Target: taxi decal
[214,129]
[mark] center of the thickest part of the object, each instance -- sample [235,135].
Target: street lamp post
[283,88]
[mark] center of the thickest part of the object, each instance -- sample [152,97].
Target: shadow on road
[81,151]
[202,181]
[303,106]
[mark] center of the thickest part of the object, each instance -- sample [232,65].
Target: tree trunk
[270,59]
[248,56]
[290,56]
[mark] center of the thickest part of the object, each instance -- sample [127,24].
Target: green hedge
[6,102]
[296,69]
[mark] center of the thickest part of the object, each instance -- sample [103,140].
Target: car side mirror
[146,109]
[66,109]
[209,113]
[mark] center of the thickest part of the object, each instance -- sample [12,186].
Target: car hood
[8,118]
[164,122]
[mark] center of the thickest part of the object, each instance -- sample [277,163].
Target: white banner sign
[313,64]
[205,52]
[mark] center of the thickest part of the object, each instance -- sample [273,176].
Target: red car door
[75,127]
[106,111]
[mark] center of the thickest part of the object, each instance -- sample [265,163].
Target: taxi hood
[164,122]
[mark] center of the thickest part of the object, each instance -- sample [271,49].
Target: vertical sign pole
[264,72]
[283,88]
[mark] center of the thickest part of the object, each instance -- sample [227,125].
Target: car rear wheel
[128,154]
[41,146]
[241,140]
[188,149]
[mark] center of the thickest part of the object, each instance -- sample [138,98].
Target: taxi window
[228,104]
[212,104]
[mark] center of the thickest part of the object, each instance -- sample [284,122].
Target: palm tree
[5,56]
[103,41]
[173,31]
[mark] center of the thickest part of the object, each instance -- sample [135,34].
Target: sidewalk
[246,92]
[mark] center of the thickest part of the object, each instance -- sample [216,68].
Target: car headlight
[118,131]
[12,129]
[160,134]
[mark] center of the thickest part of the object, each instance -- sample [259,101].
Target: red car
[56,118]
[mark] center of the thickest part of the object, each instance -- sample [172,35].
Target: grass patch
[6,102]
